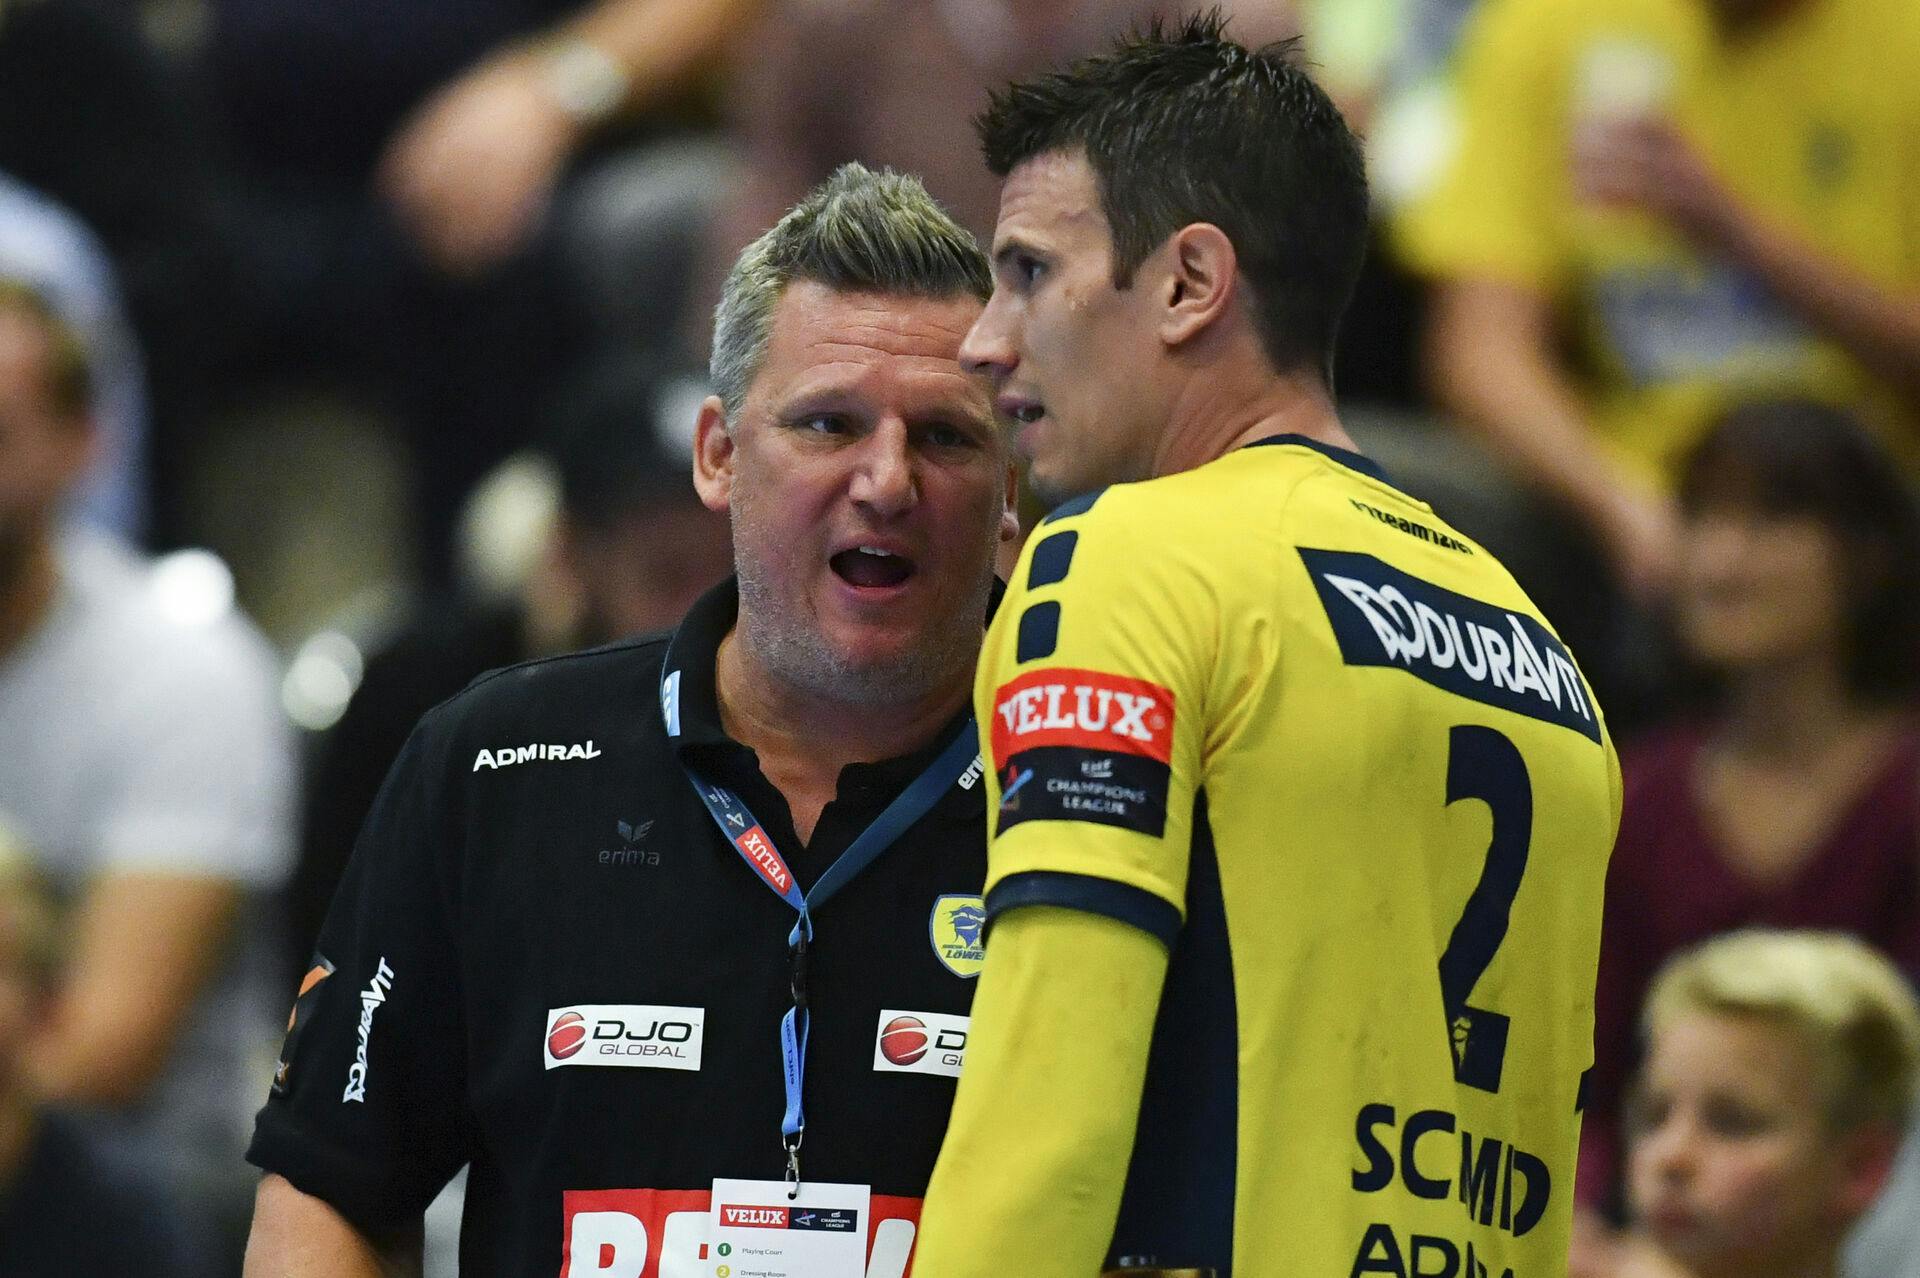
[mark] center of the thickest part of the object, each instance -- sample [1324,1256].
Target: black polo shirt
[546,961]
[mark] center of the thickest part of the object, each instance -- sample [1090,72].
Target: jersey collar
[1345,456]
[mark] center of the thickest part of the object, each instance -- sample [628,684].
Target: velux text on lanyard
[750,839]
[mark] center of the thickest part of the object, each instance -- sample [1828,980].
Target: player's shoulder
[1231,527]
[548,698]
[1237,492]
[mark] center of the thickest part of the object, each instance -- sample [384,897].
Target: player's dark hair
[1806,459]
[1185,125]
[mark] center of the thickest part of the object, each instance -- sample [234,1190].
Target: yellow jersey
[1278,714]
[1809,121]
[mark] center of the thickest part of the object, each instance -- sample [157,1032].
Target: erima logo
[1384,617]
[371,999]
[507,756]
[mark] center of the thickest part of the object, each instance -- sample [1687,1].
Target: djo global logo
[623,1034]
[904,1040]
[568,1035]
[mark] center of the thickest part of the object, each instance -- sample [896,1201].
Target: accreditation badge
[955,929]
[757,1231]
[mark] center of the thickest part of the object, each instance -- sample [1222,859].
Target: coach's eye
[823,424]
[1026,268]
[942,435]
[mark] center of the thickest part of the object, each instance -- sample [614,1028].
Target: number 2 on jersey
[1483,764]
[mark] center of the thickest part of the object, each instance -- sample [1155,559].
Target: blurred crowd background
[349,349]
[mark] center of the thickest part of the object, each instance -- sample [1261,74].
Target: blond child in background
[1779,1073]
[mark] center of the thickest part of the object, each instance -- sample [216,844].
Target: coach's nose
[883,478]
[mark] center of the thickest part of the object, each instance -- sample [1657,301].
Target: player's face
[1733,1169]
[1757,589]
[1071,357]
[41,455]
[868,489]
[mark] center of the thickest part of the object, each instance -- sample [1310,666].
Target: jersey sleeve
[367,1106]
[1032,1170]
[1091,697]
[1491,213]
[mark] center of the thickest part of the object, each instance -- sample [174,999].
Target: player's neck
[803,739]
[1216,415]
[29,581]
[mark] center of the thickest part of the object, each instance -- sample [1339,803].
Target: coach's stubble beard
[778,629]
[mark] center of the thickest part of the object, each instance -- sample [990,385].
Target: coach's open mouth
[871,566]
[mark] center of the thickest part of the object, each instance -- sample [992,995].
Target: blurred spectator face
[1056,328]
[1758,588]
[43,450]
[1800,539]
[860,432]
[1734,1169]
[641,573]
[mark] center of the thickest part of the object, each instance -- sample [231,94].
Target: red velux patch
[754,1217]
[1082,708]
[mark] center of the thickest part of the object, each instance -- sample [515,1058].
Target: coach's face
[1073,359]
[868,489]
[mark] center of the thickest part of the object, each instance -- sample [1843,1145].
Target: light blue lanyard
[750,839]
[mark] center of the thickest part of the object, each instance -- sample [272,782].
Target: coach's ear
[713,455]
[1202,273]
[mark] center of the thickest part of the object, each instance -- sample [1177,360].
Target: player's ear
[713,455]
[1202,272]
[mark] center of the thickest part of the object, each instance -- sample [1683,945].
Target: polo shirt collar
[693,713]
[692,655]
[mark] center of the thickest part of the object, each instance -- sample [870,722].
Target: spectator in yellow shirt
[1659,207]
